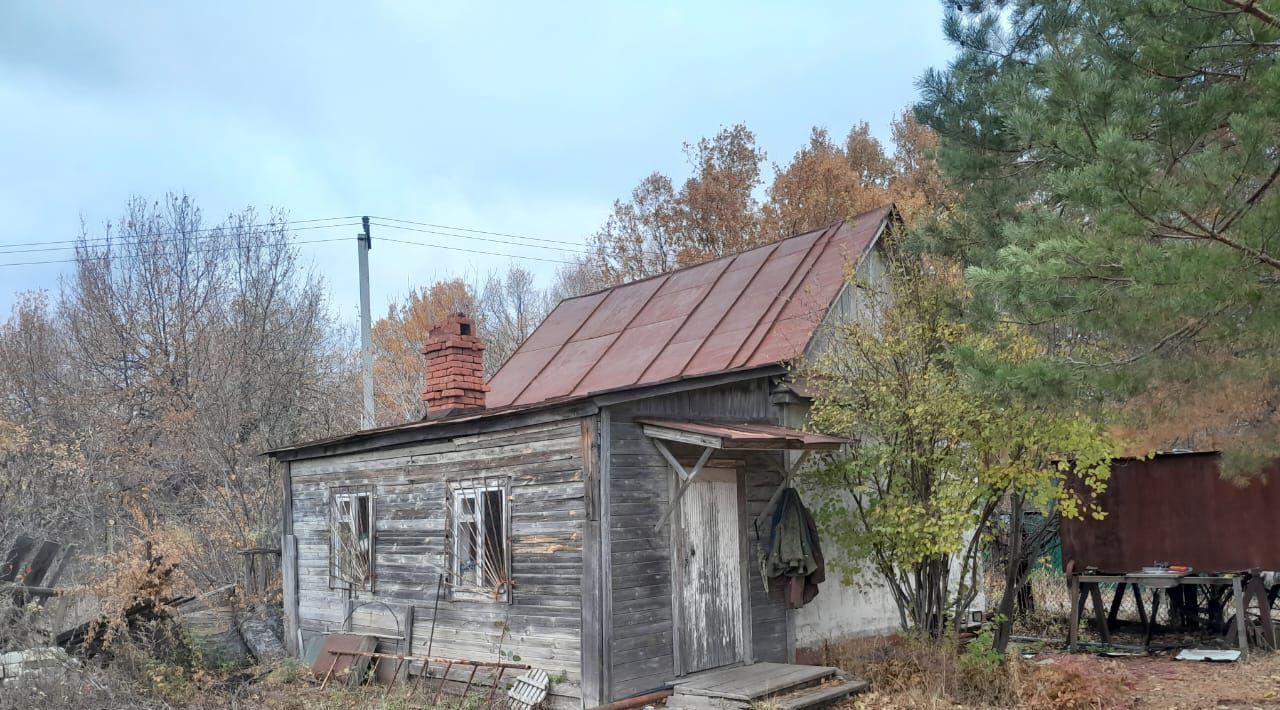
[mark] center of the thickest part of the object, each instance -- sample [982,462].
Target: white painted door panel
[709,580]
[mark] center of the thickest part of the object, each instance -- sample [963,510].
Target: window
[351,537]
[479,544]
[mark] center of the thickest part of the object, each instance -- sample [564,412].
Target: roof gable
[754,308]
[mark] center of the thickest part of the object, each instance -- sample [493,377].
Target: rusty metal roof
[746,435]
[754,308]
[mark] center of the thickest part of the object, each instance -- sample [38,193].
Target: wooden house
[595,508]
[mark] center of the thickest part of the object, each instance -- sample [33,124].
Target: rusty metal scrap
[353,658]
[1176,508]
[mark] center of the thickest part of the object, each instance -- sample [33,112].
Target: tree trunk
[1012,575]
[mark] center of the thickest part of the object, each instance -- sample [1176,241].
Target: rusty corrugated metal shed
[1177,508]
[754,308]
[751,435]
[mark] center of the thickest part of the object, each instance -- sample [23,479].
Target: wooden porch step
[818,696]
[778,685]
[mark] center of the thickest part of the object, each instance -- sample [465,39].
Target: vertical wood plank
[1099,615]
[675,534]
[289,564]
[593,619]
[40,563]
[744,571]
[289,583]
[603,437]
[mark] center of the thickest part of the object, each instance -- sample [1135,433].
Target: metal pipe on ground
[636,701]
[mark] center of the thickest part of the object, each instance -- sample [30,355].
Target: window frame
[337,494]
[456,493]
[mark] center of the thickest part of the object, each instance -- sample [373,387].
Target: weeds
[913,671]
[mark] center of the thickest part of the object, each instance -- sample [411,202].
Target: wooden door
[708,586]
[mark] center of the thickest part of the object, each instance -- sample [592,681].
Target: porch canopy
[731,436]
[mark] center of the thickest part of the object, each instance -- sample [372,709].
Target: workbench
[1246,588]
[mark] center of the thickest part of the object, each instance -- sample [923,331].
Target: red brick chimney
[455,368]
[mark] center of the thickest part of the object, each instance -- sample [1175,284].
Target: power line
[209,250]
[175,232]
[472,251]
[479,231]
[579,245]
[185,235]
[130,241]
[578,249]
[321,241]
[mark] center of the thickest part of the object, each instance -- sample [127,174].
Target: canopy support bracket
[686,477]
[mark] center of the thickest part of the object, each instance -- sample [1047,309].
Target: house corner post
[594,617]
[289,566]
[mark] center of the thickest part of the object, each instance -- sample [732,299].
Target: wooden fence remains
[32,568]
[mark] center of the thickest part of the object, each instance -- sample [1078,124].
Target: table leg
[1073,625]
[1151,620]
[1095,595]
[1259,594]
[1116,601]
[1242,633]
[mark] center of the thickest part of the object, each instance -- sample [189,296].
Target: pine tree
[1120,162]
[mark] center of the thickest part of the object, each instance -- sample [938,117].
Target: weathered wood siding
[541,624]
[641,642]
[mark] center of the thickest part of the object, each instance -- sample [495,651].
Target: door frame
[676,531]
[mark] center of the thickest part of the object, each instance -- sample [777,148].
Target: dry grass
[910,672]
[154,686]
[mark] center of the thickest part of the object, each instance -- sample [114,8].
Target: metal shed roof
[739,435]
[758,307]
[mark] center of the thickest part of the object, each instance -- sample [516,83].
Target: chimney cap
[454,324]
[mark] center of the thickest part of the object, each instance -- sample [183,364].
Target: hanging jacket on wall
[794,562]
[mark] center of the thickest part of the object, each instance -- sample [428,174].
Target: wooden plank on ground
[39,565]
[17,553]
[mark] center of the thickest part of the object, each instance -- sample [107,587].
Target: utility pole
[365,243]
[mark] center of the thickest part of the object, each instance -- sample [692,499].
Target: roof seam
[529,382]
[690,314]
[711,331]
[796,278]
[621,330]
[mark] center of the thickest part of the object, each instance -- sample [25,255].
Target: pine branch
[1219,237]
[1250,7]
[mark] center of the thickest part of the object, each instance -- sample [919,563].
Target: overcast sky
[529,118]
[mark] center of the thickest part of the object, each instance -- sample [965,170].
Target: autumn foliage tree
[506,307]
[938,453]
[717,210]
[398,339]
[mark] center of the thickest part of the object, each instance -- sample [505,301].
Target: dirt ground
[1161,682]
[1156,681]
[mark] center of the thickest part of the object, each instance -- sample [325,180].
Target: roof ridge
[765,323]
[734,255]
